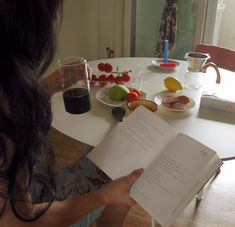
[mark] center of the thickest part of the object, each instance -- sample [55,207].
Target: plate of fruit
[118,95]
[174,102]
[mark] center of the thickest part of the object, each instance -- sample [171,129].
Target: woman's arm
[69,211]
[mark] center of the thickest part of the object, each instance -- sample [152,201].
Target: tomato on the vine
[111,78]
[108,68]
[118,80]
[126,77]
[102,77]
[94,77]
[101,66]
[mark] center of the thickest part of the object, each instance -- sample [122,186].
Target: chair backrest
[222,57]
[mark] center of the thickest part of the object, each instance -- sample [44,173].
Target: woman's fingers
[72,74]
[135,175]
[131,180]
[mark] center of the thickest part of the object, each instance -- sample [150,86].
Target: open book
[176,166]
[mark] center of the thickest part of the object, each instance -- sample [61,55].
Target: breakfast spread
[118,93]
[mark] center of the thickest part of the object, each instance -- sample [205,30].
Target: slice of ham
[175,102]
[178,106]
[169,99]
[183,99]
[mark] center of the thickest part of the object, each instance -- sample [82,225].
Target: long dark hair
[27,44]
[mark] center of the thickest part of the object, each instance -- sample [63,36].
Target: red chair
[222,57]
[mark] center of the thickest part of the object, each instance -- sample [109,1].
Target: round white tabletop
[213,128]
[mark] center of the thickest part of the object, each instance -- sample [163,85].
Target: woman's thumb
[135,175]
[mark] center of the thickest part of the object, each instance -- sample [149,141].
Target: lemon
[173,84]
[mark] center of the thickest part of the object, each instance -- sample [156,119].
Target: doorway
[199,21]
[148,17]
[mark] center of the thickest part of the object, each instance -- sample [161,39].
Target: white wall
[88,27]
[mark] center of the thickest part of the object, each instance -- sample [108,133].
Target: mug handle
[213,65]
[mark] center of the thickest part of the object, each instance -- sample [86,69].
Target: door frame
[129,24]
[200,23]
[209,21]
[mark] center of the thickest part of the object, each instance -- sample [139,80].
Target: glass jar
[193,80]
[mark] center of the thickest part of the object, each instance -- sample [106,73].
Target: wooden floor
[217,209]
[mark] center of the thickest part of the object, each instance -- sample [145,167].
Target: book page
[207,173]
[132,144]
[168,180]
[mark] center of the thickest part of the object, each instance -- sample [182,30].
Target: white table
[214,128]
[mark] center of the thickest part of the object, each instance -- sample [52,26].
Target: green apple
[118,92]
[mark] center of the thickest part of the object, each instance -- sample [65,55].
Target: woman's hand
[52,83]
[59,80]
[63,78]
[117,192]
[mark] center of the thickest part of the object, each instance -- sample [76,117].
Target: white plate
[102,96]
[158,100]
[157,63]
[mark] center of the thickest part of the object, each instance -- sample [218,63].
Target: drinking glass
[137,78]
[76,92]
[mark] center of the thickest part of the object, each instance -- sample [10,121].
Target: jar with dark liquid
[77,100]
[76,93]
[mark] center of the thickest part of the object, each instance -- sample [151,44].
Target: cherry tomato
[108,68]
[137,91]
[131,96]
[118,80]
[93,80]
[126,77]
[111,78]
[101,66]
[102,77]
[94,77]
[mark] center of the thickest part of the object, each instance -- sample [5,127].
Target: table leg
[200,195]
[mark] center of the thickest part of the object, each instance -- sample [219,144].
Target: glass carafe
[76,93]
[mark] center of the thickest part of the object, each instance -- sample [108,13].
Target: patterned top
[168,27]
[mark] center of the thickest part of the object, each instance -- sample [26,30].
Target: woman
[26,50]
